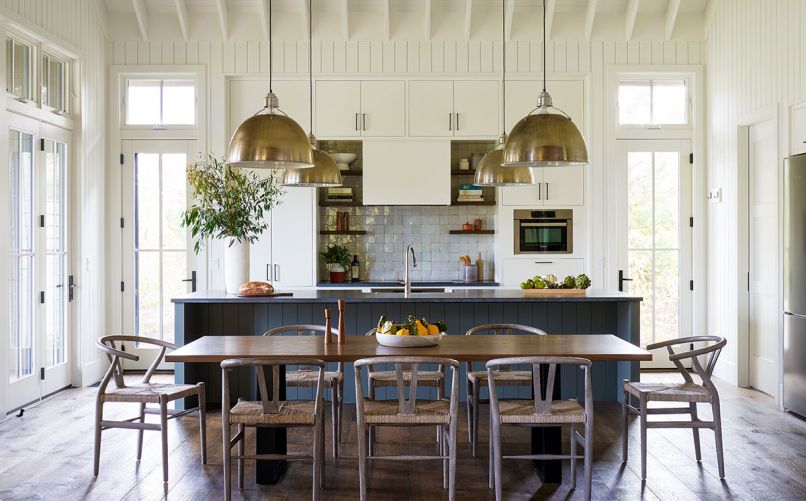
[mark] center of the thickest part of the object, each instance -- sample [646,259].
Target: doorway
[655,250]
[763,285]
[40,289]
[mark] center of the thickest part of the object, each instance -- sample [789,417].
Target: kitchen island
[214,313]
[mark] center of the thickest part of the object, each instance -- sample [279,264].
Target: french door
[655,253]
[158,260]
[39,291]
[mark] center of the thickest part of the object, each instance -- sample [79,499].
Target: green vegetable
[583,281]
[441,326]
[569,282]
[541,284]
[530,284]
[524,285]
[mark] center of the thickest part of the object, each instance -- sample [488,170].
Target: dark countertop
[394,284]
[461,296]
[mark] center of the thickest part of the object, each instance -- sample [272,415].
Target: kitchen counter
[455,296]
[396,284]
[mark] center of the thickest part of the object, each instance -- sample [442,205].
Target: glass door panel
[55,157]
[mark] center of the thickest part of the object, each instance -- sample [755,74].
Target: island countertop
[455,296]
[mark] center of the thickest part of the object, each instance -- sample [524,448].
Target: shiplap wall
[755,58]
[77,25]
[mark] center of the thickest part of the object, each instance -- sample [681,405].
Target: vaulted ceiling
[409,19]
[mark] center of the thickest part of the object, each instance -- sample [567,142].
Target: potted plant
[337,259]
[230,205]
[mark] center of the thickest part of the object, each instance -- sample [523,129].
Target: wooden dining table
[598,347]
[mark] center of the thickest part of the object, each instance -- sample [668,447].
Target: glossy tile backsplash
[391,228]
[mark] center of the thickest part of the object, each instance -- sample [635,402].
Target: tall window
[54,83]
[160,102]
[19,68]
[653,102]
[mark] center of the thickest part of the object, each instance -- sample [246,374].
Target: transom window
[159,102]
[54,83]
[653,102]
[19,68]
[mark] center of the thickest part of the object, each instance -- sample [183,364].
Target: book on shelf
[340,191]
[462,198]
[339,198]
[465,186]
[471,192]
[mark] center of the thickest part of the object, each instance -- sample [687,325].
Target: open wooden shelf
[352,172]
[340,204]
[483,202]
[460,172]
[342,232]
[472,232]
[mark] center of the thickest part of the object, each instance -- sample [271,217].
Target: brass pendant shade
[270,141]
[545,139]
[324,174]
[490,172]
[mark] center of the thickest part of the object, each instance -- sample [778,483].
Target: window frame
[33,69]
[125,78]
[66,73]
[652,131]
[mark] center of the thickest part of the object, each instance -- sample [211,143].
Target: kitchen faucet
[407,281]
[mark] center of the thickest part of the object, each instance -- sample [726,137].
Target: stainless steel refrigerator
[795,285]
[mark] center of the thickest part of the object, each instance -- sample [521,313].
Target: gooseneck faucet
[407,281]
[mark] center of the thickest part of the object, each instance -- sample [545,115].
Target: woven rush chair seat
[431,379]
[670,392]
[149,392]
[289,413]
[511,378]
[308,379]
[523,412]
[426,412]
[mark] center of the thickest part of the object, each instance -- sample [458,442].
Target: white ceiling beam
[468,18]
[387,32]
[630,15]
[672,9]
[345,18]
[590,17]
[510,14]
[551,8]
[142,17]
[307,11]
[708,21]
[223,18]
[427,23]
[182,14]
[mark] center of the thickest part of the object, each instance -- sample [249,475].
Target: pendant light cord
[310,61]
[271,51]
[504,62]
[544,45]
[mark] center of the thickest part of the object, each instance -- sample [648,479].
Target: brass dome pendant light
[490,172]
[325,173]
[272,140]
[542,138]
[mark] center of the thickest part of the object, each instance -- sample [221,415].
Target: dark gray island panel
[600,312]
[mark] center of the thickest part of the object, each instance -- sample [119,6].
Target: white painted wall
[78,27]
[755,60]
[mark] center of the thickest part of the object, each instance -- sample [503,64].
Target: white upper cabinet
[440,108]
[568,95]
[247,97]
[553,186]
[476,108]
[353,108]
[431,108]
[797,129]
[407,172]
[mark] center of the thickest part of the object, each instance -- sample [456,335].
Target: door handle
[450,121]
[71,284]
[364,121]
[621,280]
[356,121]
[540,191]
[192,281]
[457,121]
[544,262]
[268,272]
[276,272]
[547,191]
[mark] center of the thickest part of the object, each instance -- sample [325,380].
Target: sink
[414,290]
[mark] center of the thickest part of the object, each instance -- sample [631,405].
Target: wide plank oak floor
[47,454]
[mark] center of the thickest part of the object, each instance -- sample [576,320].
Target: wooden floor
[47,454]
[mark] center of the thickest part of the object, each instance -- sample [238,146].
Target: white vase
[236,265]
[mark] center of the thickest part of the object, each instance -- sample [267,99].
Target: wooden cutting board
[554,292]
[273,294]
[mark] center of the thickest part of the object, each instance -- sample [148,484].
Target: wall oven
[544,231]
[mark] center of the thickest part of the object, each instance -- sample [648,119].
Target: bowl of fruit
[414,332]
[550,285]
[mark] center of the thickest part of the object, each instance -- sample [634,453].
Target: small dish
[395,341]
[343,160]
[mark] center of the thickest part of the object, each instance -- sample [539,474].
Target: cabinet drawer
[797,129]
[516,270]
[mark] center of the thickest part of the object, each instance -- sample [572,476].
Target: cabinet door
[338,108]
[476,108]
[383,108]
[293,224]
[407,172]
[431,108]
[260,255]
[563,185]
[568,95]
[247,97]
[797,130]
[517,270]
[532,195]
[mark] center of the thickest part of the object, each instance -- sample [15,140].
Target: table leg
[271,441]
[548,439]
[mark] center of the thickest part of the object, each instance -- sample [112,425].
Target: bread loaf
[255,288]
